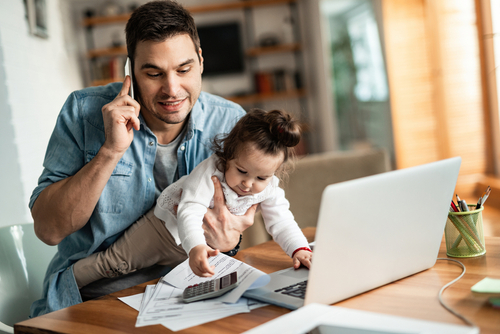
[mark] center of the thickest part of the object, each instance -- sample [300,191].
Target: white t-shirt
[194,193]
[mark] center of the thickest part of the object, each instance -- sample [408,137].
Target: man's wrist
[109,154]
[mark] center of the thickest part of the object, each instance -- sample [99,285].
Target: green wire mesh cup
[464,233]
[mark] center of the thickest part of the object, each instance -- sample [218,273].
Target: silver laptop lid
[378,229]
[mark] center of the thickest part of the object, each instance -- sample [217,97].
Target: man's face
[168,76]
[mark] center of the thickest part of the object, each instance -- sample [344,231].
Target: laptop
[371,231]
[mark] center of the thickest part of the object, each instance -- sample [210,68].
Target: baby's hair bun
[283,127]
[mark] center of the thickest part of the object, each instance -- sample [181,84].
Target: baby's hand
[302,257]
[198,260]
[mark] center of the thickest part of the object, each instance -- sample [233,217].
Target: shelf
[98,20]
[104,82]
[252,52]
[114,51]
[259,51]
[256,98]
[243,99]
[236,5]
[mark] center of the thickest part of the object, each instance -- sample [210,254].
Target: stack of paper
[162,303]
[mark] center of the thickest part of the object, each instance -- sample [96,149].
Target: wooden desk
[414,297]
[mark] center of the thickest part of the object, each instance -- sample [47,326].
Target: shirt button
[183,148]
[149,179]
[151,143]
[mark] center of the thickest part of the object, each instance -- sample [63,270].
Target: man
[110,155]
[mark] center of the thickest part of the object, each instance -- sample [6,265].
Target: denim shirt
[130,191]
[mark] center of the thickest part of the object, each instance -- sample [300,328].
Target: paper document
[166,307]
[182,317]
[162,303]
[248,277]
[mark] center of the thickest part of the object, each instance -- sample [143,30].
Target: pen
[478,205]
[458,202]
[464,206]
[485,195]
[454,207]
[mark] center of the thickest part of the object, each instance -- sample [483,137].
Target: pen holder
[464,233]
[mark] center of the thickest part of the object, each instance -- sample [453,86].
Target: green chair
[23,262]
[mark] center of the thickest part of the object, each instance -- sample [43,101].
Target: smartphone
[128,71]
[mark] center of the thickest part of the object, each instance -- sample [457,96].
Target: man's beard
[155,114]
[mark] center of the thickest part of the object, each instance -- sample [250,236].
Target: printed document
[162,303]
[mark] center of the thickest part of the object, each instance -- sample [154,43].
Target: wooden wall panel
[435,82]
[410,84]
[461,72]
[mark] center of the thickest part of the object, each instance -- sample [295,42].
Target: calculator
[210,289]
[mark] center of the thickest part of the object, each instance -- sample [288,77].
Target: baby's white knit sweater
[194,193]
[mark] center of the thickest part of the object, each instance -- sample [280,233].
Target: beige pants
[145,243]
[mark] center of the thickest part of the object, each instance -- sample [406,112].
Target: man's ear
[201,60]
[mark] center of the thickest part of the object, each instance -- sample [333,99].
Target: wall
[36,76]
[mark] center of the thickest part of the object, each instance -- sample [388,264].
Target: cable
[440,295]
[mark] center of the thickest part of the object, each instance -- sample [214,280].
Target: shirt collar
[196,120]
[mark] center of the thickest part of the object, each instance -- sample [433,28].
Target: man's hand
[223,229]
[120,116]
[66,206]
[198,260]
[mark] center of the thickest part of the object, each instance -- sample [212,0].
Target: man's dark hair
[158,21]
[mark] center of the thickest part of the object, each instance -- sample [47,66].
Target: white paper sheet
[134,301]
[162,303]
[166,304]
[248,277]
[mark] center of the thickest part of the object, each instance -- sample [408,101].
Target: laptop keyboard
[295,290]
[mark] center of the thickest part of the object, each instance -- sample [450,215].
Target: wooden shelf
[98,20]
[106,81]
[259,51]
[236,5]
[252,52]
[256,98]
[243,99]
[106,52]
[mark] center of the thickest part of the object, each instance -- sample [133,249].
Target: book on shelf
[279,80]
[108,69]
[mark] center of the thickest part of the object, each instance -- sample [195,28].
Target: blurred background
[415,77]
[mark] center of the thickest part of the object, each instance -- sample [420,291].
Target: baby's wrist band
[301,248]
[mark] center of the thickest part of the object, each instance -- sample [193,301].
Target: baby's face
[251,171]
